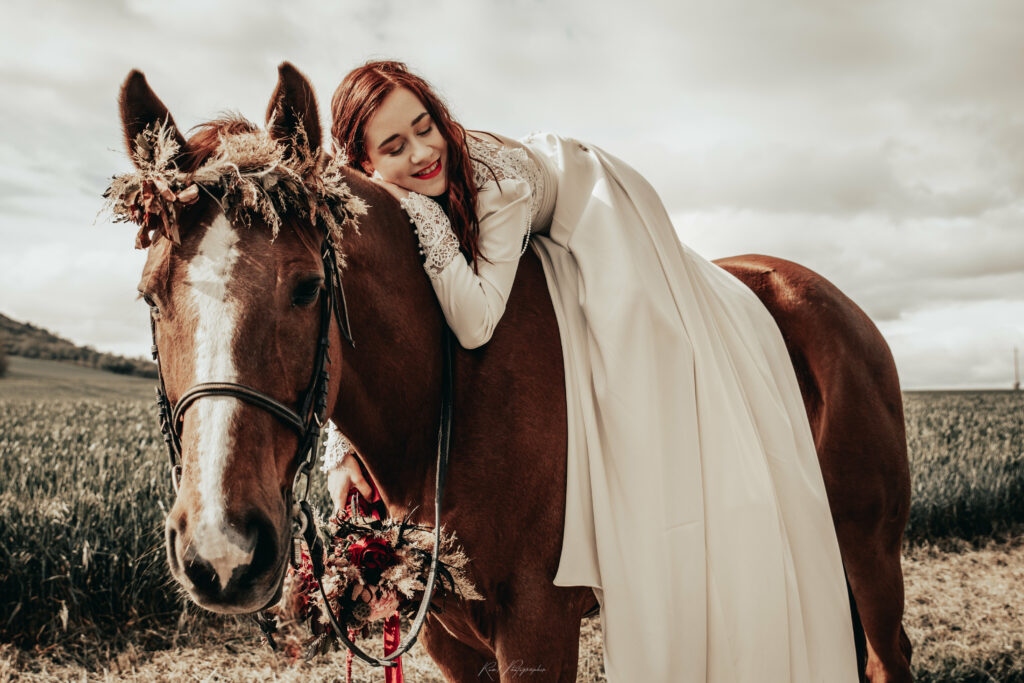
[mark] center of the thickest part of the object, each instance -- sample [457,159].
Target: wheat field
[84,589]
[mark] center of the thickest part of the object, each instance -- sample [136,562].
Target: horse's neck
[389,396]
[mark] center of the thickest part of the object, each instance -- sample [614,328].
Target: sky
[880,144]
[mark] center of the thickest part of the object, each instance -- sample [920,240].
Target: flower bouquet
[374,569]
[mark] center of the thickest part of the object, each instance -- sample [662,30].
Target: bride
[695,506]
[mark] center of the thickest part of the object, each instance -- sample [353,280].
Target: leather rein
[307,423]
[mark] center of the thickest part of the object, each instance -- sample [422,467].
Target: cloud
[879,144]
[977,338]
[83,290]
[890,268]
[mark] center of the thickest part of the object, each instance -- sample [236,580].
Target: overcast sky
[880,144]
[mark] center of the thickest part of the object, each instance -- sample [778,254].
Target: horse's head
[234,219]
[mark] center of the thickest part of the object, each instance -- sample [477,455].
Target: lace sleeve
[438,243]
[336,450]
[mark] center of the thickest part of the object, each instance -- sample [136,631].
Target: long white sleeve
[473,303]
[337,448]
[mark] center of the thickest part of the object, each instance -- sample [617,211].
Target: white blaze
[209,273]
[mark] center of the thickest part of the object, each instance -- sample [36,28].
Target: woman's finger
[395,191]
[360,482]
[339,481]
[383,183]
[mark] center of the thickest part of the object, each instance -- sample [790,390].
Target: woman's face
[404,145]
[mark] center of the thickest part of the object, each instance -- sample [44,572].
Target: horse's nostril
[264,556]
[176,527]
[202,575]
[172,548]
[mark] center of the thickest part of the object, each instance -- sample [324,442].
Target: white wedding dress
[695,505]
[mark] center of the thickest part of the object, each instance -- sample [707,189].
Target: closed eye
[422,133]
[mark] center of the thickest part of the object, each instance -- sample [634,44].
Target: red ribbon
[392,634]
[375,509]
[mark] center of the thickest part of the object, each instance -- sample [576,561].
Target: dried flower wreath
[250,173]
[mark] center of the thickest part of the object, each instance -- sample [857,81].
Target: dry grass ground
[965,615]
[965,611]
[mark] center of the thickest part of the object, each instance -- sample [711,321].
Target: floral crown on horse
[248,172]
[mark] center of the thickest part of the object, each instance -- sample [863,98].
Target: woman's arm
[336,448]
[473,303]
[343,472]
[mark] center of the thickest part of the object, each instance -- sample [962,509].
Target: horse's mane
[206,140]
[244,169]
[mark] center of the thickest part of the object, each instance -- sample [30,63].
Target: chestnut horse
[233,304]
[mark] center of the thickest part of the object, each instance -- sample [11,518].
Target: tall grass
[966,463]
[84,489]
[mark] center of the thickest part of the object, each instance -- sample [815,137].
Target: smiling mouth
[429,171]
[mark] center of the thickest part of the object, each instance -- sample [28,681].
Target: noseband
[307,423]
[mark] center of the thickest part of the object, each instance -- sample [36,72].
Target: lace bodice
[507,163]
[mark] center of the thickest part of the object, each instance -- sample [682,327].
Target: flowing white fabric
[696,507]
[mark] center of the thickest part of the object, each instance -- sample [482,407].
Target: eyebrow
[414,122]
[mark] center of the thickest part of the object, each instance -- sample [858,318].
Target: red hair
[356,101]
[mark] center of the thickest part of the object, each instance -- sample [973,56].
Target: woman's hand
[342,478]
[396,191]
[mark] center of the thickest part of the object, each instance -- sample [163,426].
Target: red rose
[377,555]
[371,553]
[355,552]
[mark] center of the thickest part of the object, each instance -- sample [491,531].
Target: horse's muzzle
[227,568]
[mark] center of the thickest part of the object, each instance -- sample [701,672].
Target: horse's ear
[292,114]
[140,107]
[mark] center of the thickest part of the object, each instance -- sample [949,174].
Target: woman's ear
[367,167]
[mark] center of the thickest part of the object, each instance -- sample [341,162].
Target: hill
[43,380]
[28,341]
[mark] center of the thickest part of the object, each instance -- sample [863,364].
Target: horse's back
[848,380]
[794,293]
[831,341]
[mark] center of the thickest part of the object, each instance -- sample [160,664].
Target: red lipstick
[432,174]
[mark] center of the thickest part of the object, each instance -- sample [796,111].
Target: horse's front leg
[456,660]
[538,637]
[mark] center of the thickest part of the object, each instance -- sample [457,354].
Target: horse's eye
[151,302]
[306,291]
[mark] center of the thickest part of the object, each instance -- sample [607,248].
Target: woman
[688,440]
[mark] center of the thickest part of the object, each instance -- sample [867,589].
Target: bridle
[307,423]
[312,412]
